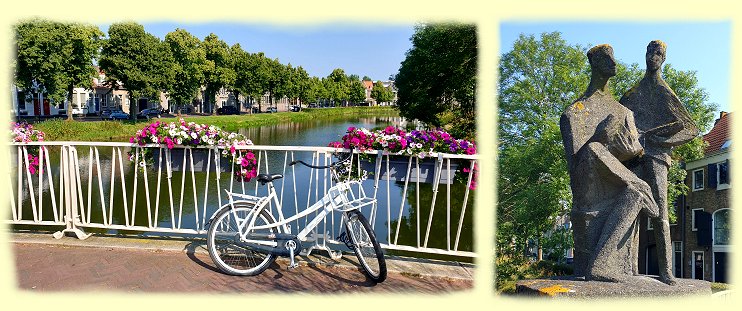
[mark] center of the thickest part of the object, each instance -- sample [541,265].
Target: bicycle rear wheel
[366,246]
[236,257]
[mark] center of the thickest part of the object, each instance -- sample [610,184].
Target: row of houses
[100,97]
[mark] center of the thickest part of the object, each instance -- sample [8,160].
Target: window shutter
[703,222]
[712,175]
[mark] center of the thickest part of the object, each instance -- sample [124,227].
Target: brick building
[700,237]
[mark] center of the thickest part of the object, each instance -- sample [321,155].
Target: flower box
[398,170]
[200,160]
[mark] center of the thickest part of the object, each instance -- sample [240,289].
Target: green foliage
[438,76]
[336,84]
[539,78]
[219,67]
[137,59]
[718,287]
[356,91]
[56,56]
[381,94]
[511,269]
[189,64]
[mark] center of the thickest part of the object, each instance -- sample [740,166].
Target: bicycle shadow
[366,283]
[195,247]
[191,249]
[200,247]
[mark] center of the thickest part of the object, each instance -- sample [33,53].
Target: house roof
[368,84]
[719,134]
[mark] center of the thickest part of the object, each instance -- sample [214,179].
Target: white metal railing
[95,188]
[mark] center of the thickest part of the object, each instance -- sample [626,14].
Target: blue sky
[372,50]
[702,47]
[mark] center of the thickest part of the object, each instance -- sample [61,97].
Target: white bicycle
[244,237]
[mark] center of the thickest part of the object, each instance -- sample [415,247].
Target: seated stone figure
[599,135]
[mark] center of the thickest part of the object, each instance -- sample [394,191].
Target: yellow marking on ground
[579,106]
[553,290]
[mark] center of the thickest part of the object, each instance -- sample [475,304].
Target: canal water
[295,196]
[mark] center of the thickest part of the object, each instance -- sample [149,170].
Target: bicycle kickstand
[291,245]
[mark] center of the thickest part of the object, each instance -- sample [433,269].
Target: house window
[698,265]
[723,173]
[698,180]
[649,223]
[721,227]
[677,258]
[694,213]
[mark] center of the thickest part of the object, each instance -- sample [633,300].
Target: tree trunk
[70,89]
[213,107]
[132,115]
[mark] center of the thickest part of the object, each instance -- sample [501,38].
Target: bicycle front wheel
[366,246]
[229,252]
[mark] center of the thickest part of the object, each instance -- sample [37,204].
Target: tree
[366,78]
[189,66]
[356,91]
[56,56]
[436,82]
[337,86]
[304,85]
[381,94]
[539,78]
[219,72]
[137,59]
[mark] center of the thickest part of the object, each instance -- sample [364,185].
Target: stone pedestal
[640,286]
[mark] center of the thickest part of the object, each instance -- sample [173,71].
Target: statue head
[655,55]
[602,61]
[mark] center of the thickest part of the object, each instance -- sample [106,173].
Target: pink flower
[232,150]
[169,142]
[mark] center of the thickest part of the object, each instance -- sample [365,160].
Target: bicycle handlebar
[318,166]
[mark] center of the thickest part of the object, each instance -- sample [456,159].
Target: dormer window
[726,144]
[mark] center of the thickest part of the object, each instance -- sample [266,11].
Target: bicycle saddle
[264,178]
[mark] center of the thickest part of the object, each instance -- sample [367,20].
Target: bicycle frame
[335,199]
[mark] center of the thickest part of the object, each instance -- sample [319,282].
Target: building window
[721,227]
[698,180]
[649,223]
[693,216]
[722,171]
[698,265]
[677,258]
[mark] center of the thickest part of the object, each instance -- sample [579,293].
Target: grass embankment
[59,130]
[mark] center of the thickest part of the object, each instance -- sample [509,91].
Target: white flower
[179,141]
[142,163]
[194,135]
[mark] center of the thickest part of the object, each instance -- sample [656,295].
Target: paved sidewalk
[172,266]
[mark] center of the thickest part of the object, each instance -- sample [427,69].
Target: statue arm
[678,132]
[565,127]
[614,171]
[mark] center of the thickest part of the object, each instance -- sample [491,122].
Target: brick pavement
[50,267]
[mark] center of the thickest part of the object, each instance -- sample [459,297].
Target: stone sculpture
[662,122]
[599,137]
